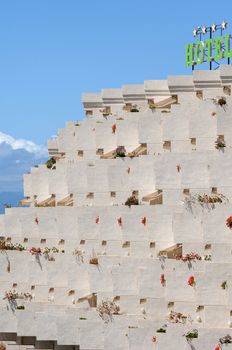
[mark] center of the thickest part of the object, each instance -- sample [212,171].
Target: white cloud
[29,146]
[17,156]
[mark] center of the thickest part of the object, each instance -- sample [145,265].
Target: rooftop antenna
[199,32]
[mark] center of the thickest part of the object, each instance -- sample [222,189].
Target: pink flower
[154,339]
[97,220]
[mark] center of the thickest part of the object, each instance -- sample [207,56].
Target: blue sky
[53,50]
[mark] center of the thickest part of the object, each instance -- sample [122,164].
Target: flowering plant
[35,251]
[177,317]
[144,221]
[191,281]
[153,339]
[113,128]
[120,221]
[229,222]
[10,246]
[205,200]
[106,309]
[13,295]
[162,280]
[189,257]
[214,198]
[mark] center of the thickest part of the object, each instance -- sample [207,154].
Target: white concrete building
[94,273]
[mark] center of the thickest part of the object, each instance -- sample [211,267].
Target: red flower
[114,128]
[178,167]
[162,280]
[97,220]
[37,221]
[35,251]
[217,348]
[120,221]
[154,339]
[191,281]
[144,221]
[229,222]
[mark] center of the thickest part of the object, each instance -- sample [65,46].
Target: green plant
[132,200]
[50,162]
[82,318]
[192,334]
[224,285]
[134,108]
[220,144]
[120,155]
[20,307]
[221,101]
[161,330]
[152,106]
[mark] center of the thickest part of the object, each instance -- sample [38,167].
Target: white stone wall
[181,162]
